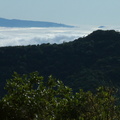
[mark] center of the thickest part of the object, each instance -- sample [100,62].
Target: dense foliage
[29,97]
[85,63]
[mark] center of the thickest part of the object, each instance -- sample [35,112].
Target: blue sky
[73,12]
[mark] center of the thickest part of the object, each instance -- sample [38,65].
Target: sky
[71,12]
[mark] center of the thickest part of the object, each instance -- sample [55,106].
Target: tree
[31,97]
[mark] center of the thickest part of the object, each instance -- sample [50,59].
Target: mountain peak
[103,33]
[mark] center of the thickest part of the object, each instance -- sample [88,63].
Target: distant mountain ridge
[28,23]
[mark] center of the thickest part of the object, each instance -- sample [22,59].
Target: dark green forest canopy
[85,63]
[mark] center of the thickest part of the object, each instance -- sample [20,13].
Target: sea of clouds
[34,36]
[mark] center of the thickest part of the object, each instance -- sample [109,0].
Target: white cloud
[29,36]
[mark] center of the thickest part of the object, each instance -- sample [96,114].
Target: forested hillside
[85,63]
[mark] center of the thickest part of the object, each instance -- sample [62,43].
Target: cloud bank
[31,36]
